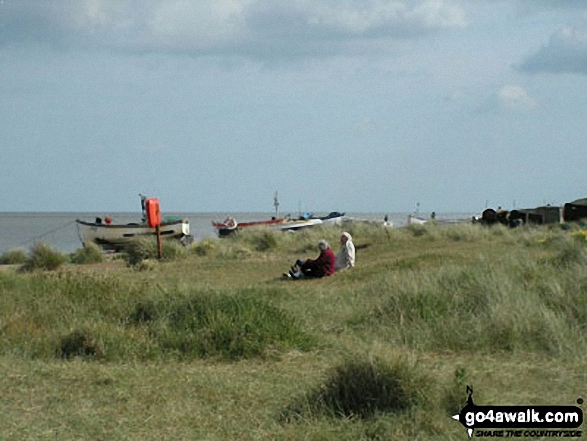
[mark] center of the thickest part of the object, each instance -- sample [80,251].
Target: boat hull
[224,229]
[230,225]
[117,236]
[296,225]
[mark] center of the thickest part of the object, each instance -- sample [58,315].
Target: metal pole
[159,246]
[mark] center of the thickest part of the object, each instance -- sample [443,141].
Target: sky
[338,105]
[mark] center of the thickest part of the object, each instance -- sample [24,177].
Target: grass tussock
[79,343]
[17,256]
[146,248]
[203,248]
[88,254]
[363,387]
[43,257]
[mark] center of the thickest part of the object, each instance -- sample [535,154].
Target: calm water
[22,230]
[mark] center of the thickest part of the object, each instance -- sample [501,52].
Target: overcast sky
[347,105]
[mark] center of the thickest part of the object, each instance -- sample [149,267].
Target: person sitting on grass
[323,265]
[346,255]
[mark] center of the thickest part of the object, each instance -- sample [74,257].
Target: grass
[17,256]
[88,254]
[361,387]
[210,343]
[43,257]
[204,324]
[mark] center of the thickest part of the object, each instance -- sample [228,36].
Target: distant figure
[346,255]
[323,265]
[433,215]
[108,220]
[98,220]
[386,218]
[143,208]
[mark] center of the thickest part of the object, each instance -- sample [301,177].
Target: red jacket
[324,265]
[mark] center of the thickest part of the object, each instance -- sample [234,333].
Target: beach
[22,230]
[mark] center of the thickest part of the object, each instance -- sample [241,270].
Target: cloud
[514,97]
[566,52]
[249,28]
[557,4]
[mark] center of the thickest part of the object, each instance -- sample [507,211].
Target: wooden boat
[230,225]
[117,236]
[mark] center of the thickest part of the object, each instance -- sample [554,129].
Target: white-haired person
[323,265]
[346,255]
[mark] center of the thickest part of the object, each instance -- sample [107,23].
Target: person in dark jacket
[323,265]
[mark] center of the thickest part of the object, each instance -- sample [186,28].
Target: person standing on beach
[346,255]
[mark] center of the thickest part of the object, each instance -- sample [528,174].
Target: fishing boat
[230,225]
[294,225]
[112,236]
[333,218]
[116,237]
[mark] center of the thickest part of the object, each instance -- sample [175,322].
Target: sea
[23,230]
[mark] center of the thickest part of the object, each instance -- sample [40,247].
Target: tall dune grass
[78,314]
[42,256]
[16,256]
[504,304]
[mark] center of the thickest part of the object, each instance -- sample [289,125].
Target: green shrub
[79,343]
[89,253]
[44,257]
[364,387]
[17,256]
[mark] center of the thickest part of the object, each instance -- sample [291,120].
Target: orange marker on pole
[154,220]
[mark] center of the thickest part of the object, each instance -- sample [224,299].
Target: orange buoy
[153,212]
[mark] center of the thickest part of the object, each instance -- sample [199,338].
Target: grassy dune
[211,344]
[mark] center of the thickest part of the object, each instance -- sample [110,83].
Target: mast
[276,205]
